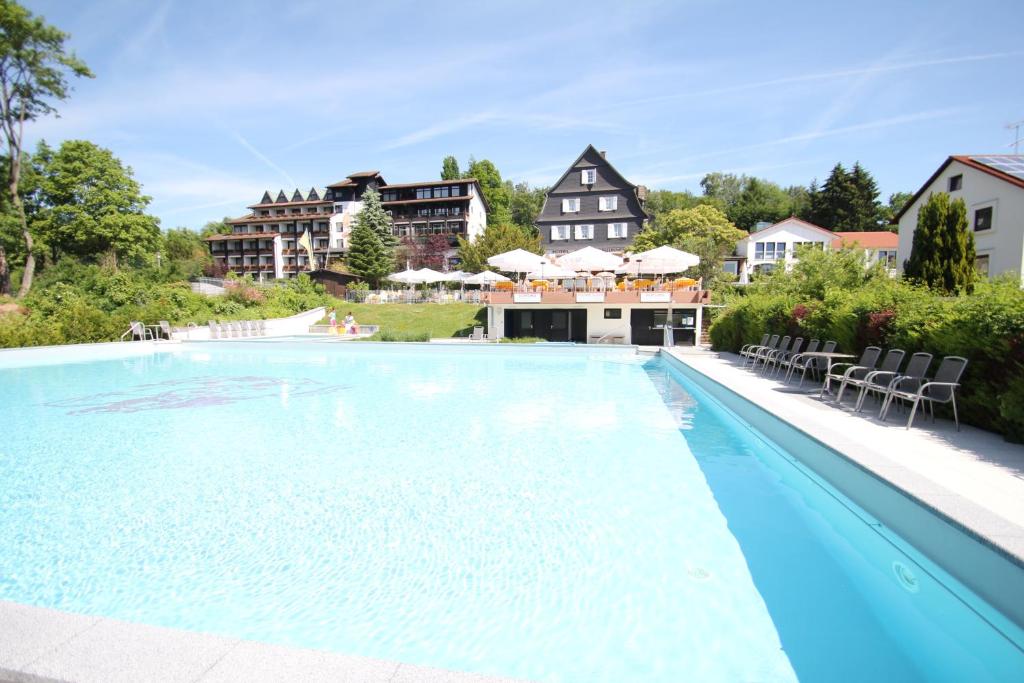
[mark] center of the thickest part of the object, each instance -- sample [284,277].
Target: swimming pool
[543,513]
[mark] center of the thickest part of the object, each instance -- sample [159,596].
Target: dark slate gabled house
[591,205]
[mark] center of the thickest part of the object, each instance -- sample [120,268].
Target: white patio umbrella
[406,277]
[487,277]
[658,261]
[517,261]
[590,259]
[456,276]
[428,275]
[551,271]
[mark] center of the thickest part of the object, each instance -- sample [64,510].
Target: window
[423,212]
[983,219]
[584,232]
[801,245]
[769,251]
[887,257]
[981,265]
[588,176]
[456,190]
[423,193]
[437,228]
[613,314]
[389,196]
[956,182]
[340,243]
[731,267]
[441,191]
[616,231]
[559,232]
[456,210]
[571,205]
[608,203]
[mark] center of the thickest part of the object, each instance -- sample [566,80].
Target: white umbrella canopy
[589,259]
[407,277]
[659,261]
[517,261]
[456,276]
[551,272]
[487,277]
[428,275]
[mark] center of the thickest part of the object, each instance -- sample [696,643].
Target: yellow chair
[539,284]
[643,284]
[504,286]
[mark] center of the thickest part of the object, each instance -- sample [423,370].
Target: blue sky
[212,102]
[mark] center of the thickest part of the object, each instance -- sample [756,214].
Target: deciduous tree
[34,70]
[495,191]
[495,239]
[89,204]
[702,230]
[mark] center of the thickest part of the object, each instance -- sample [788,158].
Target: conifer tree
[942,254]
[371,249]
[450,168]
[957,250]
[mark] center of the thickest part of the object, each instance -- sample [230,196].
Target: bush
[521,340]
[389,336]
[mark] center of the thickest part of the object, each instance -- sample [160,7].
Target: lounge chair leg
[913,411]
[956,418]
[839,394]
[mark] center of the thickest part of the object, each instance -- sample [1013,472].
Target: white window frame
[559,233]
[571,205]
[588,176]
[613,231]
[584,231]
[608,203]
[777,254]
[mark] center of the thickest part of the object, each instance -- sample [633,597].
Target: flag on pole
[306,243]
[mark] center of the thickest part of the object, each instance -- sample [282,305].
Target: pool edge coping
[948,507]
[50,647]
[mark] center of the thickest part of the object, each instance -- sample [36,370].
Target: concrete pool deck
[39,645]
[973,477]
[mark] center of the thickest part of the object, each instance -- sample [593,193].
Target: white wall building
[774,246]
[992,187]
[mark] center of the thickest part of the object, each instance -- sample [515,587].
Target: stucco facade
[995,211]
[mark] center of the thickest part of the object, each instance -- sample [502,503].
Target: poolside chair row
[890,384]
[775,354]
[237,328]
[886,381]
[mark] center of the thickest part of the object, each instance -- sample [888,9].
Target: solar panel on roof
[1011,164]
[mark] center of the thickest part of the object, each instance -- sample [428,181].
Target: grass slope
[436,320]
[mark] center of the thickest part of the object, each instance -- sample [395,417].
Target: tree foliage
[89,204]
[34,70]
[525,203]
[702,230]
[495,239]
[847,201]
[371,249]
[942,253]
[495,191]
[450,168]
[212,228]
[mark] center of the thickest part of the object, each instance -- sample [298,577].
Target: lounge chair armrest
[921,389]
[852,369]
[871,376]
[832,368]
[897,381]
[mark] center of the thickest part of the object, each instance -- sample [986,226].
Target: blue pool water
[549,514]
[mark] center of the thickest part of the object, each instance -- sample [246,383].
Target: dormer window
[588,176]
[608,203]
[571,205]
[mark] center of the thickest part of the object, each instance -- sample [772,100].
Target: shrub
[389,336]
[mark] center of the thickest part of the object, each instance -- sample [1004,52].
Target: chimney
[603,153]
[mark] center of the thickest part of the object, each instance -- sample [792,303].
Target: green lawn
[437,320]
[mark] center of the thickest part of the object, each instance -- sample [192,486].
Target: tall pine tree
[371,252]
[450,168]
[848,200]
[942,253]
[866,209]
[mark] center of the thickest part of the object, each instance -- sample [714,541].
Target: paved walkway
[973,477]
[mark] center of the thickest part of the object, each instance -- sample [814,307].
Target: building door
[552,324]
[648,326]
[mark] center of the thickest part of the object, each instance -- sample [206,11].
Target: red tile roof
[876,239]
